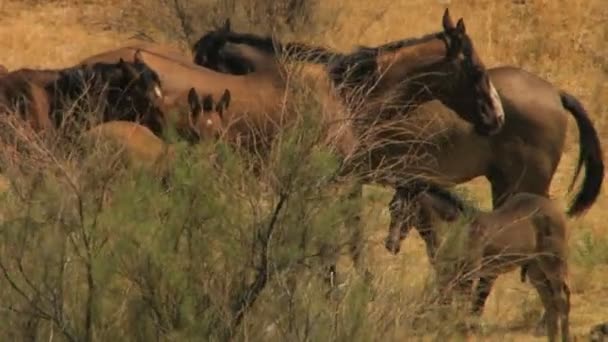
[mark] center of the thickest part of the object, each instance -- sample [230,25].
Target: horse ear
[128,69]
[223,103]
[195,103]
[448,24]
[460,26]
[476,229]
[137,57]
[227,25]
[208,103]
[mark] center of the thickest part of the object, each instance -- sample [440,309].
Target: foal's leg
[564,311]
[545,291]
[482,291]
[357,243]
[427,233]
[555,270]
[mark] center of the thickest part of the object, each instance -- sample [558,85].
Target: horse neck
[421,69]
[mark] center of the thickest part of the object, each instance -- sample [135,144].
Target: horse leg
[482,291]
[356,241]
[357,245]
[565,312]
[427,233]
[544,288]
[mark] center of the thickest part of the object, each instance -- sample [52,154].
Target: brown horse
[526,230]
[522,157]
[138,146]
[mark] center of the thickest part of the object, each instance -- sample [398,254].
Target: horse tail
[590,154]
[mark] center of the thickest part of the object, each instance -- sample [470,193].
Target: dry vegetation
[563,41]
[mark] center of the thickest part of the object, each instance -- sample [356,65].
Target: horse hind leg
[564,311]
[544,288]
[427,233]
[481,293]
[356,243]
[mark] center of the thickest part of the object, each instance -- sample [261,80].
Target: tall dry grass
[562,41]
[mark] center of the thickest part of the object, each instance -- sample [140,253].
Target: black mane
[460,204]
[399,44]
[359,67]
[213,40]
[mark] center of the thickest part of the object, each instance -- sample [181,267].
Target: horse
[522,157]
[128,91]
[138,146]
[527,230]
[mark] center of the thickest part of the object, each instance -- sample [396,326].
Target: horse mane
[446,196]
[360,66]
[407,42]
[268,44]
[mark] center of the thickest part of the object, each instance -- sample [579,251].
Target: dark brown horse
[522,157]
[526,230]
[128,91]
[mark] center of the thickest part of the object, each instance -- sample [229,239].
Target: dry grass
[563,41]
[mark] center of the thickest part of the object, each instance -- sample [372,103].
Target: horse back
[136,144]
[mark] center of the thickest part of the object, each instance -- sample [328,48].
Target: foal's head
[428,202]
[205,119]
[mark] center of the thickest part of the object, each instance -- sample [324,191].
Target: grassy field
[562,41]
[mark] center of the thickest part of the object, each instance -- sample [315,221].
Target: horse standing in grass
[526,230]
[522,157]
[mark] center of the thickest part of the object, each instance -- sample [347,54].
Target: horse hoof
[539,331]
[392,247]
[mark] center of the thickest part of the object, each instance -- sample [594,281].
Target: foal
[527,230]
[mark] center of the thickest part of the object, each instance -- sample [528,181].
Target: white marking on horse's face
[158,92]
[209,122]
[497,104]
